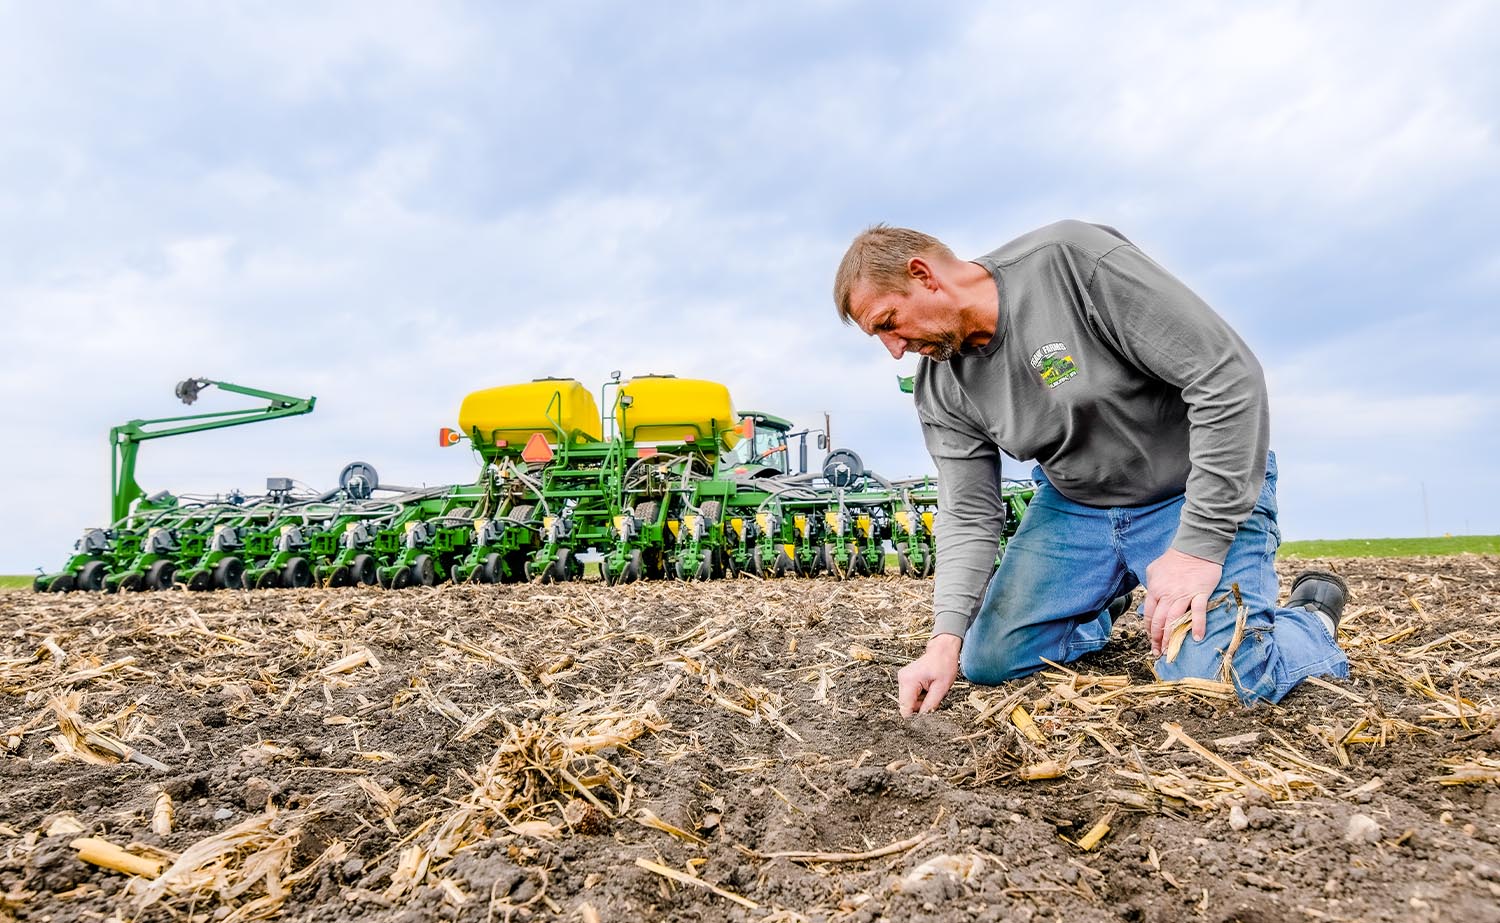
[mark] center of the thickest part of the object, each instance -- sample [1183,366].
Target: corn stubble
[583,718]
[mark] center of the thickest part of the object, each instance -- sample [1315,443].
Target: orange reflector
[645,451]
[747,428]
[447,437]
[690,437]
[501,443]
[537,450]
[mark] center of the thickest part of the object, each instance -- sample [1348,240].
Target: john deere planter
[670,482]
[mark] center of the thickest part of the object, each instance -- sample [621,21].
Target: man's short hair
[879,257]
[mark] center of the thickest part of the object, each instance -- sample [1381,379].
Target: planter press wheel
[489,570]
[908,569]
[635,566]
[229,574]
[297,574]
[63,583]
[160,574]
[424,570]
[401,579]
[132,583]
[90,577]
[785,565]
[268,580]
[362,570]
[201,581]
[565,566]
[339,577]
[704,570]
[756,566]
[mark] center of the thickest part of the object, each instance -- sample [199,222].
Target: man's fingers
[906,693]
[935,693]
[1166,614]
[1200,616]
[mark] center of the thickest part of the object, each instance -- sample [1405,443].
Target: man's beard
[938,350]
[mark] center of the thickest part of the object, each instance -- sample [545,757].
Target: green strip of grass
[1392,547]
[15,583]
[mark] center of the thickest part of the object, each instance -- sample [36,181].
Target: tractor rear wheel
[90,577]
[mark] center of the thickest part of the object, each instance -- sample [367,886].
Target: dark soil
[510,753]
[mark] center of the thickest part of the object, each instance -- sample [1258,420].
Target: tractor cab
[764,452]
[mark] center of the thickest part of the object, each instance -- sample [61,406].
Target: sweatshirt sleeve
[969,520]
[1168,332]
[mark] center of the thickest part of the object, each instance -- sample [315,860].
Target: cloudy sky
[388,206]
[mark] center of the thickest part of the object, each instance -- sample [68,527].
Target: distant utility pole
[1426,524]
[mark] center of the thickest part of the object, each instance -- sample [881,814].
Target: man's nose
[894,345]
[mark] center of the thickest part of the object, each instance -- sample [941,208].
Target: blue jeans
[1067,561]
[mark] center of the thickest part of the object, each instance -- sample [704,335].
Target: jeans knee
[989,669]
[1195,660]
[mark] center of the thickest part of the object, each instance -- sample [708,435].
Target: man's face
[918,320]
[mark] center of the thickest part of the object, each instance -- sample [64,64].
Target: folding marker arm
[125,439]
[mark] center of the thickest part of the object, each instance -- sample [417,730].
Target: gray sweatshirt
[1123,385]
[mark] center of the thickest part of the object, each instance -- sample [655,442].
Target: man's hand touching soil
[1176,583]
[923,682]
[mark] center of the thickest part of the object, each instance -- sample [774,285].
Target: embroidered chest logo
[1054,364]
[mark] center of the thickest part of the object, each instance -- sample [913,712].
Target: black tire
[401,579]
[297,574]
[635,567]
[564,567]
[785,566]
[132,583]
[160,575]
[362,569]
[201,581]
[520,512]
[268,579]
[340,577]
[90,577]
[647,511]
[458,518]
[491,569]
[39,583]
[62,583]
[229,574]
[515,567]
[424,570]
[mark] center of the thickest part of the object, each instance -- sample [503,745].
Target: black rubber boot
[1320,591]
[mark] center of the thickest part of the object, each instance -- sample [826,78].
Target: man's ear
[921,272]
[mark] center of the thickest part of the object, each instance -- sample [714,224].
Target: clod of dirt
[1237,819]
[1362,829]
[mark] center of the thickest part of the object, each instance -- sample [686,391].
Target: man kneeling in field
[1148,417]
